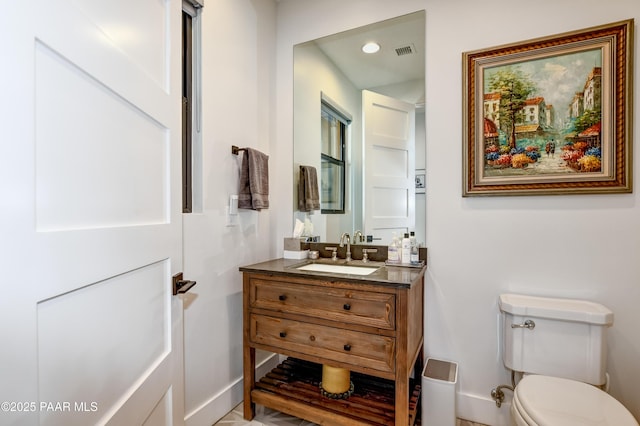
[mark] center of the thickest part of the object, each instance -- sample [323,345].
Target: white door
[91,212]
[389,165]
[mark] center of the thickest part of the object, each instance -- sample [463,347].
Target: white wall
[583,246]
[238,49]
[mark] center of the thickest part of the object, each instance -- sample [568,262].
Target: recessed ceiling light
[371,47]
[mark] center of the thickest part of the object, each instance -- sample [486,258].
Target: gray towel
[308,194]
[254,181]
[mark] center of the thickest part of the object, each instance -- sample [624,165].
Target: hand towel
[254,181]
[308,194]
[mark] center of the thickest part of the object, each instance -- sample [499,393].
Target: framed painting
[550,115]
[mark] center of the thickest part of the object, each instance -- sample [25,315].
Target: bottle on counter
[393,250]
[415,253]
[406,249]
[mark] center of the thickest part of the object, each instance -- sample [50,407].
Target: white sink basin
[338,269]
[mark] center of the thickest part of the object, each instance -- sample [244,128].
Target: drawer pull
[282,297]
[283,334]
[346,306]
[347,347]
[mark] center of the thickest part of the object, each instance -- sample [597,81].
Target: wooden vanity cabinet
[367,327]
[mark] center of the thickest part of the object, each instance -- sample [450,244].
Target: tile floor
[268,417]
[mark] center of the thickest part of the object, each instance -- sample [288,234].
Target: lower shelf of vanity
[293,388]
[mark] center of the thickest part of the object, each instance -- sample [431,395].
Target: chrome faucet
[342,237]
[357,240]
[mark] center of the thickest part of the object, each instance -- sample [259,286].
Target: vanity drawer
[345,346]
[335,304]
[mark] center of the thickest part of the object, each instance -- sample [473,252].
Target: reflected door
[90,331]
[389,165]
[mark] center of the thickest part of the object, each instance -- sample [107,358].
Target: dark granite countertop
[387,275]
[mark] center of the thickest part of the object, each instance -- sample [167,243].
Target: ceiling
[386,67]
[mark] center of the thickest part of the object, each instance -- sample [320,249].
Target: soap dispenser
[393,251]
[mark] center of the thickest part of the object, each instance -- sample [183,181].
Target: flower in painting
[492,156]
[580,146]
[504,160]
[589,163]
[533,155]
[594,151]
[571,155]
[492,148]
[521,160]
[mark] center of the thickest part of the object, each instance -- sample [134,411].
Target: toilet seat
[553,401]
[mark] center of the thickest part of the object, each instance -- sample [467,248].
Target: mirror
[333,72]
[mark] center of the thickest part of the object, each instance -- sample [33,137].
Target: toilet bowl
[540,400]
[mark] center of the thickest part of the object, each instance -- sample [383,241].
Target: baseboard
[224,401]
[480,409]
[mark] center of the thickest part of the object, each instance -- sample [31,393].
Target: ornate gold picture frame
[551,115]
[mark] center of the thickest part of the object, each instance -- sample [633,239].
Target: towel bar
[235,150]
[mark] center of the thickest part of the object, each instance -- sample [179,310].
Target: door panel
[389,158]
[117,334]
[93,212]
[77,152]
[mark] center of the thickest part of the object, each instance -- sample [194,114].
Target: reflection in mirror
[334,126]
[359,121]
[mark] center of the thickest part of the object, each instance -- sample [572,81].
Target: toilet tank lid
[555,308]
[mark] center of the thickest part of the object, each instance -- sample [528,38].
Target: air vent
[409,49]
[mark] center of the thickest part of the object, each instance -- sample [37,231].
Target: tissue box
[293,249]
[296,254]
[293,244]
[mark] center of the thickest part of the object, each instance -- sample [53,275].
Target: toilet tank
[569,338]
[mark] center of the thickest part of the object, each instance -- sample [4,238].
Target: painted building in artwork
[536,116]
[549,114]
[588,100]
[592,93]
[492,107]
[576,107]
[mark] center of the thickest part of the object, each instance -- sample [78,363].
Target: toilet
[560,347]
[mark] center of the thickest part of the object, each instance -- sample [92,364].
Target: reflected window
[334,125]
